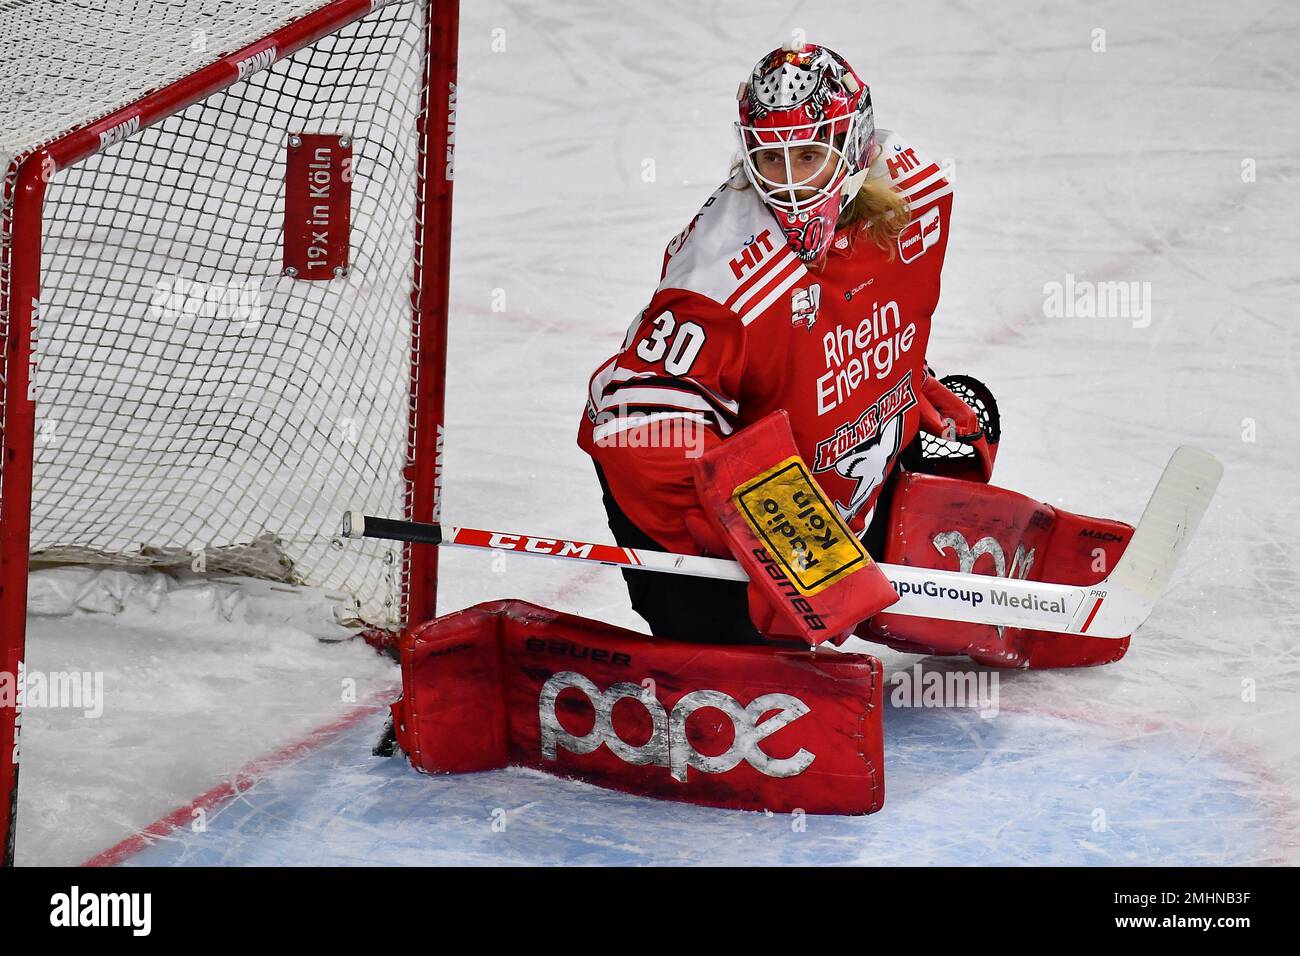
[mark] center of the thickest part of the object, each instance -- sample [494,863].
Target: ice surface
[582,147]
[187,685]
[961,790]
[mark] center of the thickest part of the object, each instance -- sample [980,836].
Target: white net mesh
[66,63]
[167,424]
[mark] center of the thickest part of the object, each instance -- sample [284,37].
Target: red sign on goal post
[317,205]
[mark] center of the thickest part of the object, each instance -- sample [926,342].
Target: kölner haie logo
[861,450]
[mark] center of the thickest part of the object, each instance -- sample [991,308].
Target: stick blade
[1168,523]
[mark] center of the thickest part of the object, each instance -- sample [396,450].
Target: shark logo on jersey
[867,465]
[804,304]
[861,450]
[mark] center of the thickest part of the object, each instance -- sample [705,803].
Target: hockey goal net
[180,388]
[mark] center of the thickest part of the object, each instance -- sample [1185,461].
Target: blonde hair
[882,210]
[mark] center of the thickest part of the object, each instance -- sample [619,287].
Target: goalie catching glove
[961,428]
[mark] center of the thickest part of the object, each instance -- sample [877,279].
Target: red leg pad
[747,728]
[968,526]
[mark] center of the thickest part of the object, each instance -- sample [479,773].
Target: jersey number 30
[677,345]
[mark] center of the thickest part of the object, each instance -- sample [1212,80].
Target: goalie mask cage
[171,389]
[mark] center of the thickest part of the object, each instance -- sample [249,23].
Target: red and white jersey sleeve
[668,396]
[740,327]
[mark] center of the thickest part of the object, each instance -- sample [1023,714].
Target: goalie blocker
[810,577]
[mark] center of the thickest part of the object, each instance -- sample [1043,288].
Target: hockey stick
[1114,608]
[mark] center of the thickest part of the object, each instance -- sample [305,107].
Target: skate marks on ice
[191,681]
[962,789]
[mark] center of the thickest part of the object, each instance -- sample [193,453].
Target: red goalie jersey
[739,327]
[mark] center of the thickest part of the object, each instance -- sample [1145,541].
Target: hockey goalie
[806,286]
[771,437]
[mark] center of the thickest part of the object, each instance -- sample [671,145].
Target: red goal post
[144,150]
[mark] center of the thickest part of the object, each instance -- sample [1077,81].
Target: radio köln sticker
[786,509]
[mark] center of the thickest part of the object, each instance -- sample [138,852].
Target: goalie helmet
[807,134]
